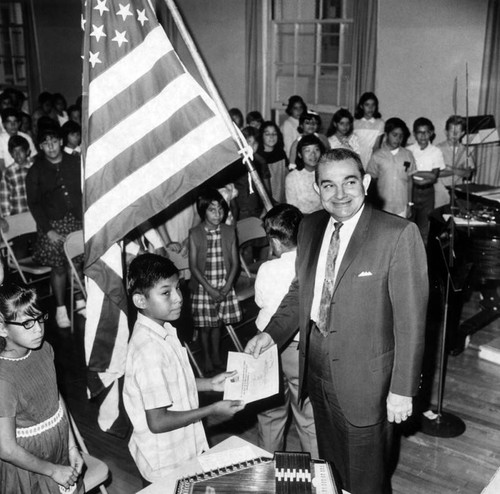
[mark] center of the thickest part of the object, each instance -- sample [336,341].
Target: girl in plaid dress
[213,261]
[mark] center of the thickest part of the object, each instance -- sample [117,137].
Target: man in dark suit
[361,342]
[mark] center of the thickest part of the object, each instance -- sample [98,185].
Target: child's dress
[28,391]
[206,312]
[367,132]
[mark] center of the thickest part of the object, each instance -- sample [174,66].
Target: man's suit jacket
[378,311]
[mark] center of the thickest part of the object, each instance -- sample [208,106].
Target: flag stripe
[165,70]
[128,69]
[163,195]
[145,179]
[138,124]
[185,120]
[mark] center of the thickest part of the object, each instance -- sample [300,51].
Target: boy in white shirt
[271,285]
[160,391]
[429,161]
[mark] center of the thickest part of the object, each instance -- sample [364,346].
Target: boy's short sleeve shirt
[427,159]
[158,374]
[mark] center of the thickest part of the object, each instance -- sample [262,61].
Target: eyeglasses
[30,323]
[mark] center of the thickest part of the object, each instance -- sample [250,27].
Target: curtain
[364,55]
[489,95]
[254,61]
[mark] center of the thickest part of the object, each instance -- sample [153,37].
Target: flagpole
[212,90]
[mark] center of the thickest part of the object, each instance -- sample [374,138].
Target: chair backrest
[73,245]
[249,229]
[19,224]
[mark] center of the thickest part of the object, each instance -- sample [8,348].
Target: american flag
[150,135]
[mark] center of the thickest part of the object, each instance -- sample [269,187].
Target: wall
[59,44]
[218,29]
[422,46]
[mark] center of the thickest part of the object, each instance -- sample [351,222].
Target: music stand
[481,130]
[444,424]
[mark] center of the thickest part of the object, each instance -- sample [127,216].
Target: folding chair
[96,472]
[247,229]
[22,224]
[73,247]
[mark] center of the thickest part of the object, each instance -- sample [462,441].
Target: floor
[426,464]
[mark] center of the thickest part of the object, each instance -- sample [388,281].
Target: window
[311,53]
[13,63]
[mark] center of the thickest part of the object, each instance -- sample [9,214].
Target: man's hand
[399,408]
[258,344]
[218,381]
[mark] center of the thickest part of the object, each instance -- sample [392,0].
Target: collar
[162,331]
[369,120]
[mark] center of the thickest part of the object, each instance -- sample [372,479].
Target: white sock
[61,309]
[80,304]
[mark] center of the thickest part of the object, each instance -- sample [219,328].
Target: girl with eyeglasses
[38,452]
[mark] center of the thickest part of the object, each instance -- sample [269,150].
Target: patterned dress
[206,312]
[28,391]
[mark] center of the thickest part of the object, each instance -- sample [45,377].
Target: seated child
[160,390]
[391,166]
[459,166]
[271,285]
[429,161]
[72,138]
[11,122]
[13,197]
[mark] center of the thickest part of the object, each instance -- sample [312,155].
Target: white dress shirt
[345,235]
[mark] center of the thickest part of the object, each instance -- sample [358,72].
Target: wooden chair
[73,247]
[19,225]
[96,472]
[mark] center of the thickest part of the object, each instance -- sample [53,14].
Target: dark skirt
[48,253]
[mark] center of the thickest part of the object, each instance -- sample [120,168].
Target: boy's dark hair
[359,113]
[455,120]
[45,97]
[69,127]
[254,116]
[308,140]
[9,112]
[397,123]
[250,132]
[18,141]
[206,198]
[336,118]
[48,130]
[292,101]
[282,223]
[146,270]
[421,122]
[236,112]
[309,115]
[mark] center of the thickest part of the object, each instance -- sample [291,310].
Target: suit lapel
[357,239]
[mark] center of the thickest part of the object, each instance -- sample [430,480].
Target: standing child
[429,161]
[38,452]
[459,166]
[213,261]
[340,133]
[309,124]
[160,391]
[391,166]
[72,138]
[272,151]
[271,285]
[368,126]
[295,108]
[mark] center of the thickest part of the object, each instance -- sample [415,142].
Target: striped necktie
[327,292]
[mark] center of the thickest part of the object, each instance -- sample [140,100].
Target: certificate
[257,378]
